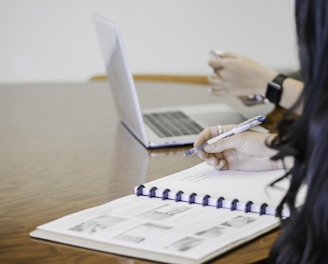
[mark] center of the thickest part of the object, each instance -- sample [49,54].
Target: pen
[235,130]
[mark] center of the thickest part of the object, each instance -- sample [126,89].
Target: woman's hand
[246,151]
[234,72]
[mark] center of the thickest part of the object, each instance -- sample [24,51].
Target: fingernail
[220,165]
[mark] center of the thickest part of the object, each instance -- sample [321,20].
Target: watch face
[274,89]
[274,92]
[275,86]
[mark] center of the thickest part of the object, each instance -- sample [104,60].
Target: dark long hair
[304,236]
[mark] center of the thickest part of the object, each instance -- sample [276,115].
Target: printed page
[156,229]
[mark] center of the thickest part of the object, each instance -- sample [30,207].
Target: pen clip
[248,124]
[249,120]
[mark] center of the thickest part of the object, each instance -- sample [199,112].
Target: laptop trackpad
[218,118]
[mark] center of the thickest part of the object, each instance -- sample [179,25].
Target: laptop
[154,128]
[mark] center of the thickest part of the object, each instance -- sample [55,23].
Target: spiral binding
[165,194]
[263,208]
[178,196]
[152,192]
[205,199]
[140,190]
[248,206]
[219,202]
[192,198]
[233,206]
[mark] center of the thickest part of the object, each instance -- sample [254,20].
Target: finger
[231,160]
[209,133]
[205,135]
[219,165]
[228,54]
[222,165]
[215,84]
[219,62]
[224,144]
[202,155]
[217,156]
[225,128]
[214,80]
[216,64]
[212,161]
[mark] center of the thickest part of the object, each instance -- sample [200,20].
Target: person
[300,146]
[233,71]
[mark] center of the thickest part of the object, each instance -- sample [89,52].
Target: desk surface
[63,149]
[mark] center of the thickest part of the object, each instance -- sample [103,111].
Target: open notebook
[188,217]
[153,127]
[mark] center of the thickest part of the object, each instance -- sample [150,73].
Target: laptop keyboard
[172,123]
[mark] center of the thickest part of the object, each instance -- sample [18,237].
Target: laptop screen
[119,75]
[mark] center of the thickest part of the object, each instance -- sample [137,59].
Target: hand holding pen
[235,130]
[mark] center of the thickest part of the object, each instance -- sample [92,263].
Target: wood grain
[198,79]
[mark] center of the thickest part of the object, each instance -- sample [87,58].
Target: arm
[236,72]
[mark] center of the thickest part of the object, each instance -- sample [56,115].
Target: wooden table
[63,149]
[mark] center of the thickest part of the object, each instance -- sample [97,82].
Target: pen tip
[188,152]
[262,118]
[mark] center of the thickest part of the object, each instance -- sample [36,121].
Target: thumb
[228,54]
[220,62]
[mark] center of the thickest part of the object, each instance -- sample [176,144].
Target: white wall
[54,40]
